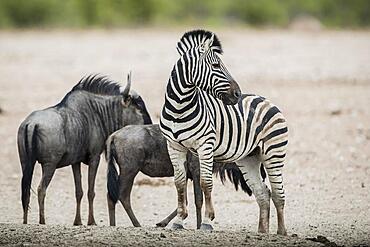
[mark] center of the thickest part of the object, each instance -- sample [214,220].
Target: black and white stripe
[195,117]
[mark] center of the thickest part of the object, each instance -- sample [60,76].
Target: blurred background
[221,13]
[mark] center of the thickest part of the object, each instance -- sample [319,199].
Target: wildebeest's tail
[234,174]
[112,175]
[27,156]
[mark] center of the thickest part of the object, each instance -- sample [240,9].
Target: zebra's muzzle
[232,96]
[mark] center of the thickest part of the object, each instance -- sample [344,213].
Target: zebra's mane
[98,84]
[195,38]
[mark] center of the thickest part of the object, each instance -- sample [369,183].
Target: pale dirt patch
[321,81]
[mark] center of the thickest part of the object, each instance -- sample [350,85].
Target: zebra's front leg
[178,159]
[205,154]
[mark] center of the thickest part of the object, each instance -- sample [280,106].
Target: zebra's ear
[206,46]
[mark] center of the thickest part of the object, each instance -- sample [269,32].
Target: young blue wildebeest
[143,148]
[75,131]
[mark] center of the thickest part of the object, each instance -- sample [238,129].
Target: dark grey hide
[75,131]
[143,148]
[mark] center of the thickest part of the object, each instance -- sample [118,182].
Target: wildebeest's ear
[126,101]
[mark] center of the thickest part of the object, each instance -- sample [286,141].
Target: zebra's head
[200,52]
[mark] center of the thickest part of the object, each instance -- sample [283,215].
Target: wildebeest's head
[134,109]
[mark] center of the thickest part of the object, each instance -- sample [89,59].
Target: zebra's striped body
[200,115]
[238,129]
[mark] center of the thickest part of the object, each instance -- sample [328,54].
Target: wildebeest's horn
[128,85]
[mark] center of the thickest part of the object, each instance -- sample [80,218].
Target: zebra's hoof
[176,226]
[206,227]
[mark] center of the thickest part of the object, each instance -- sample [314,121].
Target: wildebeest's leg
[111,211]
[167,220]
[76,168]
[178,159]
[250,167]
[198,196]
[93,168]
[126,182]
[48,170]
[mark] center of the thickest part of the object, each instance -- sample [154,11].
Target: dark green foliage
[106,13]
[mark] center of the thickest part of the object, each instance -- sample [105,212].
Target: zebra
[205,112]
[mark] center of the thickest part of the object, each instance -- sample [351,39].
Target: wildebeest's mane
[195,38]
[97,84]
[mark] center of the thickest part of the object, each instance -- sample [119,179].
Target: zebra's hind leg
[250,167]
[274,165]
[178,159]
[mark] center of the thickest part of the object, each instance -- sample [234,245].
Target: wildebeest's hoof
[161,224]
[91,223]
[282,232]
[176,226]
[77,223]
[206,227]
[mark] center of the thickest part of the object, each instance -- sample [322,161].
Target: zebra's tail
[232,172]
[26,150]
[235,176]
[112,174]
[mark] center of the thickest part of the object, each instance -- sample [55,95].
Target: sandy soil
[321,81]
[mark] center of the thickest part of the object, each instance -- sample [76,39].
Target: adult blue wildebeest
[75,131]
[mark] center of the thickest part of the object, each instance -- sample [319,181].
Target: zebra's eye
[216,65]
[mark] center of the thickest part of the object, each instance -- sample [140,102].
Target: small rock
[294,235]
[322,239]
[362,185]
[162,235]
[336,112]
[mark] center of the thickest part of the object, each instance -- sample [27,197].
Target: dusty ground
[321,81]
